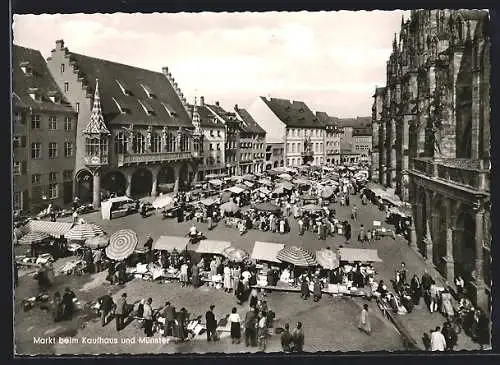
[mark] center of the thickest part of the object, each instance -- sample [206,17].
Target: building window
[52,122]
[288,162]
[35,122]
[211,133]
[52,150]
[68,149]
[139,143]
[92,147]
[293,147]
[16,168]
[66,86]
[218,146]
[36,150]
[19,141]
[120,143]
[68,175]
[18,200]
[36,179]
[53,191]
[19,118]
[77,107]
[218,133]
[62,67]
[155,143]
[52,177]
[68,124]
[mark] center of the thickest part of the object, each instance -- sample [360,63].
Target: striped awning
[56,229]
[82,232]
[297,256]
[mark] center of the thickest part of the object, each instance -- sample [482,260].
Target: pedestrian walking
[105,307]
[121,309]
[235,320]
[250,326]
[438,342]
[148,318]
[304,288]
[317,290]
[364,320]
[416,289]
[450,336]
[298,338]
[286,339]
[211,324]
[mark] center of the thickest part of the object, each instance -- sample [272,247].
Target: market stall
[169,243]
[267,207]
[117,207]
[266,251]
[212,247]
[82,232]
[55,229]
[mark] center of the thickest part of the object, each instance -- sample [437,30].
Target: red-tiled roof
[112,74]
[293,114]
[249,124]
[38,79]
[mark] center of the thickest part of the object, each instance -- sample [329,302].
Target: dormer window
[26,68]
[54,97]
[169,109]
[148,91]
[122,107]
[34,93]
[147,108]
[125,90]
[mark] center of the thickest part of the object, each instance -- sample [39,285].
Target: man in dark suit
[106,306]
[298,338]
[250,328]
[121,311]
[211,324]
[286,339]
[169,314]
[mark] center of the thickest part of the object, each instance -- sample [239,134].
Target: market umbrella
[327,193]
[301,182]
[235,254]
[81,232]
[267,207]
[162,201]
[249,177]
[97,242]
[297,256]
[229,207]
[122,244]
[215,182]
[311,208]
[287,185]
[225,196]
[285,176]
[266,182]
[33,237]
[327,259]
[279,190]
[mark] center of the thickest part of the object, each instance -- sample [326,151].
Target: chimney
[235,106]
[164,70]
[59,44]
[202,101]
[216,103]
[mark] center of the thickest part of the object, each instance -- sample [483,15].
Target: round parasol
[287,185]
[122,244]
[327,259]
[162,201]
[279,190]
[97,242]
[33,237]
[81,232]
[297,256]
[225,196]
[327,193]
[267,207]
[249,177]
[285,176]
[229,207]
[235,254]
[301,182]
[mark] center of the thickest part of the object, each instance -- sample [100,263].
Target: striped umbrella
[297,256]
[33,237]
[81,232]
[235,254]
[122,244]
[230,207]
[97,242]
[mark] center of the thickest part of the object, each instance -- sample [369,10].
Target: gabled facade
[295,125]
[252,143]
[43,137]
[151,144]
[333,133]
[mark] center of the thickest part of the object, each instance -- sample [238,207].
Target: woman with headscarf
[227,278]
[364,320]
[235,274]
[317,290]
[304,288]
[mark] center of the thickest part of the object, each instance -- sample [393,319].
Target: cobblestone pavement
[341,315]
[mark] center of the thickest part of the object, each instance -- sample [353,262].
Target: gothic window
[92,146]
[139,143]
[155,142]
[103,146]
[184,143]
[120,143]
[170,142]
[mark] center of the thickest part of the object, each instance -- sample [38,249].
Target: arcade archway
[142,182]
[166,179]
[439,235]
[184,177]
[114,182]
[464,251]
[84,186]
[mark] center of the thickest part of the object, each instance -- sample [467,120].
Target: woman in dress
[227,278]
[364,320]
[446,306]
[236,273]
[235,320]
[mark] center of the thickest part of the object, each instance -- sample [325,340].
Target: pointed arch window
[155,143]
[92,146]
[184,143]
[120,143]
[139,143]
[171,142]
